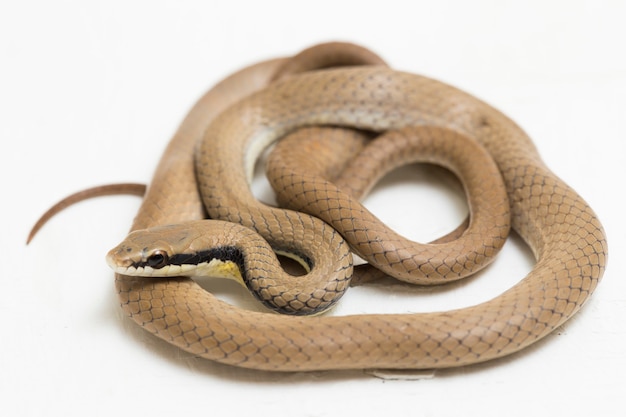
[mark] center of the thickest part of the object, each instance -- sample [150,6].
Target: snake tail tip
[32,233]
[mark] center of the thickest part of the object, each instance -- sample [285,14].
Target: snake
[245,114]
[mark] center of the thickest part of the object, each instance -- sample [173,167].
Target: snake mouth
[148,271]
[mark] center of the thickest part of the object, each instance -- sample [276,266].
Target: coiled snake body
[561,229]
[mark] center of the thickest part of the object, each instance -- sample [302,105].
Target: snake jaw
[147,271]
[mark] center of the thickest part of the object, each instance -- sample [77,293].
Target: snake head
[157,252]
[200,248]
[145,253]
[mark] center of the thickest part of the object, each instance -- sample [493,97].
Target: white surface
[90,92]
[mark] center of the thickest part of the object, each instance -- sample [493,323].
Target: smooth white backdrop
[90,93]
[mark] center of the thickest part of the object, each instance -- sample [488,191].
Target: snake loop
[299,187]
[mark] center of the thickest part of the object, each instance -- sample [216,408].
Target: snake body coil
[247,112]
[562,230]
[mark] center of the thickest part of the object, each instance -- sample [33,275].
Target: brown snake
[561,229]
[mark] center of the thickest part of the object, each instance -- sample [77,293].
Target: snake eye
[158,259]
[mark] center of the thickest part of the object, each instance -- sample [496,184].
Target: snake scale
[248,111]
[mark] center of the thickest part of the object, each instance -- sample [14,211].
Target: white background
[90,93]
